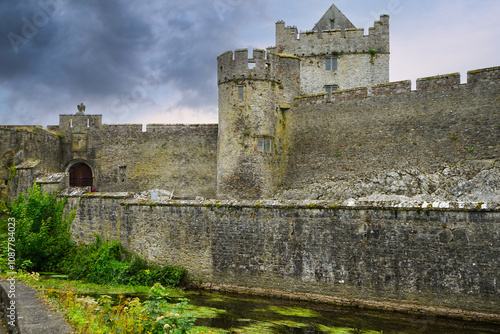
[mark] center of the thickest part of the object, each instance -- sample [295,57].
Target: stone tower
[79,146]
[253,93]
[256,93]
[336,55]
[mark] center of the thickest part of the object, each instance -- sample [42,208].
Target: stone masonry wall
[243,172]
[182,158]
[353,70]
[289,41]
[349,146]
[178,158]
[32,151]
[423,255]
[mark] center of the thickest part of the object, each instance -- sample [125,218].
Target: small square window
[331,63]
[241,91]
[264,144]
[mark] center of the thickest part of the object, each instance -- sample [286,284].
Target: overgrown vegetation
[109,263]
[43,243]
[103,314]
[42,235]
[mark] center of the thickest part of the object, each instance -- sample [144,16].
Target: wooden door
[80,175]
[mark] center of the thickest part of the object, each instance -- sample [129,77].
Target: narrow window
[71,122]
[240,93]
[267,145]
[332,24]
[260,144]
[329,89]
[88,122]
[122,173]
[331,63]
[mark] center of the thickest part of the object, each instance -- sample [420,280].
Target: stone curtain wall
[32,151]
[425,256]
[179,158]
[182,158]
[345,146]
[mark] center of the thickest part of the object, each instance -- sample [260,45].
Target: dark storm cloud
[53,52]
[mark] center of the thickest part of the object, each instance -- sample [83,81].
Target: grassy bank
[97,309]
[35,237]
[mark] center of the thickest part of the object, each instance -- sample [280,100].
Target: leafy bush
[43,236]
[168,318]
[109,263]
[43,243]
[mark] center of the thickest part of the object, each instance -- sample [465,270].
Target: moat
[237,313]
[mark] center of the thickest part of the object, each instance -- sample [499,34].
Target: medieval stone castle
[301,186]
[289,117]
[293,124]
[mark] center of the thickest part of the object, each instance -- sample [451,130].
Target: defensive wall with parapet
[356,136]
[178,158]
[434,258]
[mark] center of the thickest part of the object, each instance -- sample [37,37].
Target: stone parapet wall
[446,81]
[174,157]
[391,88]
[430,254]
[345,147]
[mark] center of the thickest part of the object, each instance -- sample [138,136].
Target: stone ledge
[31,316]
[351,204]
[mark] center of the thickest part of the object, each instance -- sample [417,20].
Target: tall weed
[42,234]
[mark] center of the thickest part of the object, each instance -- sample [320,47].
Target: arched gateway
[80,175]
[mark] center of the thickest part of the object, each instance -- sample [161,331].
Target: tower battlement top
[264,65]
[290,40]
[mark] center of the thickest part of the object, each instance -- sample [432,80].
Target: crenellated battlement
[262,66]
[391,88]
[484,76]
[440,81]
[289,40]
[481,77]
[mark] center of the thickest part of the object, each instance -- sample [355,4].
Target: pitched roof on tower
[333,19]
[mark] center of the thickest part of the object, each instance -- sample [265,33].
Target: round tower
[251,92]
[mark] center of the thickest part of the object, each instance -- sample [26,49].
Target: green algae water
[235,313]
[249,314]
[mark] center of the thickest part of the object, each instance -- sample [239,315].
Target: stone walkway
[33,317]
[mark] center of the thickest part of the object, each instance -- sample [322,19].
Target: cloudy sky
[154,61]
